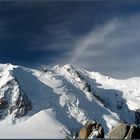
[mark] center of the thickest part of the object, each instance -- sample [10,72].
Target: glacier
[57,102]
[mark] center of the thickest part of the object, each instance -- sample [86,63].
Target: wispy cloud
[112,48]
[92,39]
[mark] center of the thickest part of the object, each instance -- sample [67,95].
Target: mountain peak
[69,95]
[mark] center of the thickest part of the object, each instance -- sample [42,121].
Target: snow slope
[62,99]
[41,125]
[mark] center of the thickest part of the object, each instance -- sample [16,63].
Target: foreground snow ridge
[57,102]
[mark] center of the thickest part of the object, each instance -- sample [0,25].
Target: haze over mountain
[57,102]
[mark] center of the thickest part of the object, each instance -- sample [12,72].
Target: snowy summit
[57,102]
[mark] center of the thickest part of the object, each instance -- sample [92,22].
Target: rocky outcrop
[3,103]
[21,106]
[91,130]
[13,100]
[85,85]
[125,131]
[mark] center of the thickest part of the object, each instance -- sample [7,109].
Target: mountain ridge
[71,95]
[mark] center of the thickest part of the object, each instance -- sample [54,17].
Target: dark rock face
[14,100]
[136,132]
[3,103]
[89,129]
[21,106]
[137,116]
[125,131]
[45,69]
[100,130]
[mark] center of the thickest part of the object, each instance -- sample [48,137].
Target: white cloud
[92,39]
[112,49]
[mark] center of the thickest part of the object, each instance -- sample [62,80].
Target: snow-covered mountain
[57,102]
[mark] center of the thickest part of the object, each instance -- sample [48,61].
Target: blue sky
[101,36]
